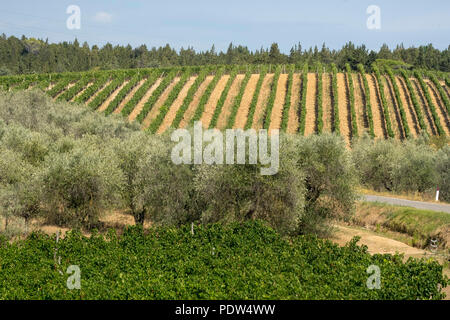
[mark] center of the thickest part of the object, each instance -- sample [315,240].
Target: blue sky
[200,23]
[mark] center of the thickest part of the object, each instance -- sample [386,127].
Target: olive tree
[330,181]
[80,183]
[240,192]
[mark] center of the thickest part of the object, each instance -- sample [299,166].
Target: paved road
[409,203]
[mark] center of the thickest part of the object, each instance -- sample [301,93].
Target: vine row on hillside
[384,103]
[206,95]
[287,100]
[139,94]
[271,100]
[222,98]
[154,125]
[414,100]
[252,109]
[189,97]
[91,90]
[351,90]
[302,109]
[391,75]
[369,113]
[319,98]
[155,95]
[431,105]
[335,99]
[238,99]
[442,93]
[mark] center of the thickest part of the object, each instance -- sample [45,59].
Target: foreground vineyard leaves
[240,261]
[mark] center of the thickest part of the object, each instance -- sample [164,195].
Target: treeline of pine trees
[29,55]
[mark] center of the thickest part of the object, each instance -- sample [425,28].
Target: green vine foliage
[172,263]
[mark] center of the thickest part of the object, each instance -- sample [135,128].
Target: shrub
[395,166]
[443,172]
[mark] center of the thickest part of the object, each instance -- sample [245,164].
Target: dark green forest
[30,55]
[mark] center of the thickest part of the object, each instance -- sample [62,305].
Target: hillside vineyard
[295,99]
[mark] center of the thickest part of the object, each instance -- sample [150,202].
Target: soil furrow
[105,104]
[379,126]
[425,110]
[153,113]
[171,114]
[193,105]
[129,96]
[280,96]
[345,120]
[262,102]
[213,100]
[293,121]
[141,103]
[311,92]
[394,112]
[360,103]
[241,116]
[408,106]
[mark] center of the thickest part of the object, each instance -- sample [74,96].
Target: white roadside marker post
[437,194]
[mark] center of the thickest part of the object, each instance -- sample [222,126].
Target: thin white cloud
[103,17]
